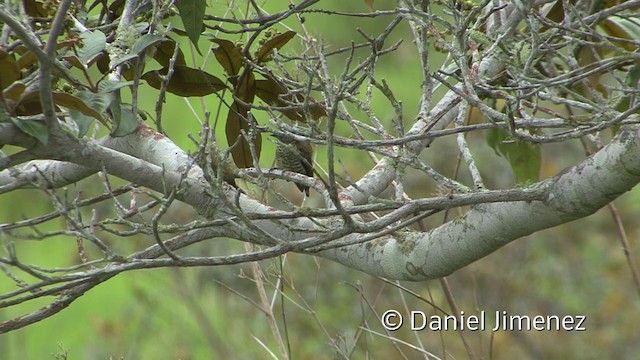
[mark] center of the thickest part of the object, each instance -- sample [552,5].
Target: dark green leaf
[128,122]
[75,62]
[276,94]
[83,121]
[84,101]
[97,101]
[276,42]
[29,104]
[164,53]
[228,55]
[524,157]
[185,81]
[94,44]
[192,15]
[88,103]
[33,128]
[14,91]
[4,117]
[247,89]
[144,42]
[107,86]
[240,148]
[27,58]
[35,8]
[633,77]
[123,60]
[9,71]
[623,28]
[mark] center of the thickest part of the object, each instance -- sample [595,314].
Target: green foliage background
[191,313]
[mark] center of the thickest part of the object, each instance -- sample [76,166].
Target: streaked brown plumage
[295,156]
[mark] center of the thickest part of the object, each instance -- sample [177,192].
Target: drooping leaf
[9,71]
[127,122]
[192,15]
[88,103]
[622,28]
[524,157]
[553,11]
[75,62]
[103,63]
[27,58]
[123,60]
[83,121]
[35,9]
[4,117]
[107,86]
[277,42]
[28,104]
[246,89]
[633,81]
[116,8]
[185,81]
[238,122]
[633,76]
[164,53]
[276,94]
[240,148]
[94,43]
[14,91]
[144,42]
[34,128]
[228,55]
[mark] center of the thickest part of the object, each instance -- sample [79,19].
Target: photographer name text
[501,320]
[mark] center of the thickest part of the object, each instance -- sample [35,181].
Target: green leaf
[278,41]
[276,94]
[144,42]
[29,104]
[524,157]
[27,58]
[87,102]
[85,107]
[83,121]
[4,117]
[240,147]
[123,60]
[107,86]
[228,55]
[35,8]
[633,77]
[14,91]
[192,15]
[622,28]
[9,71]
[185,81]
[33,128]
[164,53]
[127,123]
[94,43]
[97,101]
[73,102]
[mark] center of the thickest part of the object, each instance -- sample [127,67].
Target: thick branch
[579,192]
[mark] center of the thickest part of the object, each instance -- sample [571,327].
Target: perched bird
[295,156]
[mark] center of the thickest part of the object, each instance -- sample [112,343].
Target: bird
[295,156]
